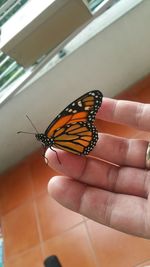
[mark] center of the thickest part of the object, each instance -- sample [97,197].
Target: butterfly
[73,129]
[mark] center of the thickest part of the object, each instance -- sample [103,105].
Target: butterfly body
[73,129]
[46,141]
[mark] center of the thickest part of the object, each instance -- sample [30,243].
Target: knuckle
[123,149]
[139,115]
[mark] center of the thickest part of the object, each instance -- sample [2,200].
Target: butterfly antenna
[25,132]
[32,124]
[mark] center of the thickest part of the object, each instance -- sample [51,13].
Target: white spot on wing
[87,108]
[79,103]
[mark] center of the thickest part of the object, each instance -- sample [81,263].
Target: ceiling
[111,61]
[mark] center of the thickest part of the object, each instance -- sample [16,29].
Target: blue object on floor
[1,252]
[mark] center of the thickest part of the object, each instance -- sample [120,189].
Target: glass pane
[94,3]
[11,10]
[9,69]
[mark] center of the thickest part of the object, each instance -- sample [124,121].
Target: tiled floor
[31,257]
[20,229]
[73,248]
[59,218]
[35,226]
[12,183]
[113,248]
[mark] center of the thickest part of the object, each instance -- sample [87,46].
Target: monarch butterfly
[73,129]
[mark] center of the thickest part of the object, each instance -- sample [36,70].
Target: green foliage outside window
[9,69]
[12,11]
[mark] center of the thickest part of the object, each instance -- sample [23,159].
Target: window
[10,70]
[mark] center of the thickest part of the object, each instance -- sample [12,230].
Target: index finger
[130,113]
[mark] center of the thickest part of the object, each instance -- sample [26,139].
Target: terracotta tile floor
[20,229]
[113,248]
[72,248]
[12,183]
[32,257]
[54,219]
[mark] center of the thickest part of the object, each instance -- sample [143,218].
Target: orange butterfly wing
[76,138]
[73,129]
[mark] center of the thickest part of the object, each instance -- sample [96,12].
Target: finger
[105,207]
[101,174]
[125,112]
[121,151]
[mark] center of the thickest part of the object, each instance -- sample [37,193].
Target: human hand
[117,194]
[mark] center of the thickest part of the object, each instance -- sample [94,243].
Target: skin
[117,194]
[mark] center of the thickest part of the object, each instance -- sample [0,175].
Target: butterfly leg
[56,155]
[43,154]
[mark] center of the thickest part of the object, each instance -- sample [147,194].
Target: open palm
[112,186]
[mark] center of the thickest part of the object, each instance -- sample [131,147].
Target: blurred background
[51,53]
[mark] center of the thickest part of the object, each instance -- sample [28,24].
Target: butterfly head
[44,139]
